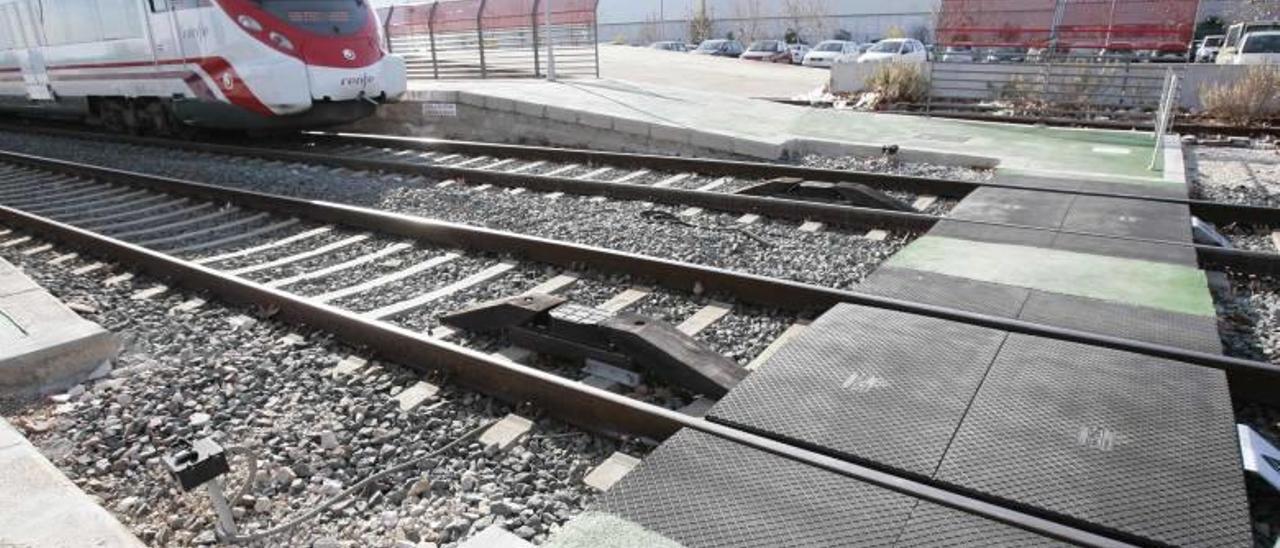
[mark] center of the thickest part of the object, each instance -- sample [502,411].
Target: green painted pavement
[1143,283]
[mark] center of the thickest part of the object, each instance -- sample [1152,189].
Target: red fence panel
[492,38]
[1113,24]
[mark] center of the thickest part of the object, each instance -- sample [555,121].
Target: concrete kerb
[499,104]
[561,114]
[595,120]
[1175,165]
[473,99]
[680,140]
[526,108]
[671,134]
[633,127]
[39,506]
[712,140]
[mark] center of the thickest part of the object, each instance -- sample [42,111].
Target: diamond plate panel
[705,492]
[869,385]
[1122,320]
[949,291]
[1128,442]
[1022,207]
[1128,249]
[1139,219]
[1036,181]
[993,234]
[935,525]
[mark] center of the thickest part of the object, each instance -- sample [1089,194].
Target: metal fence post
[551,51]
[595,33]
[431,31]
[386,28]
[1163,116]
[537,55]
[484,69]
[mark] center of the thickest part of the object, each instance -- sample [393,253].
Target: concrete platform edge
[39,506]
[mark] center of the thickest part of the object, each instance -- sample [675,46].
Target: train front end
[338,43]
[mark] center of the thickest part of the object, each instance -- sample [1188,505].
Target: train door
[164,35]
[193,29]
[35,75]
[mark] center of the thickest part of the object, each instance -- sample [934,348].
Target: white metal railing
[1169,98]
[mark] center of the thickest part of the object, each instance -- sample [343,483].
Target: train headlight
[249,23]
[280,41]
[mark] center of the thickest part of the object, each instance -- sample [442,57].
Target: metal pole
[484,69]
[662,20]
[537,47]
[386,28]
[595,33]
[551,50]
[431,31]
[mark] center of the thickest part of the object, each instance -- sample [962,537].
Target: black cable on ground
[661,216]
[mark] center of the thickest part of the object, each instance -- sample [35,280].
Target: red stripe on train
[218,69]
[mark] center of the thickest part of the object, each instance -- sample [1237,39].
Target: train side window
[160,6]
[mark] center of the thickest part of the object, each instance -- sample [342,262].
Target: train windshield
[332,17]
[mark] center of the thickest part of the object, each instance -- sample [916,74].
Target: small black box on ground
[197,463]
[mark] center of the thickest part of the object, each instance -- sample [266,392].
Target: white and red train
[154,66]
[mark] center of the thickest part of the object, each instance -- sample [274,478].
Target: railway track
[700,184]
[149,223]
[182,231]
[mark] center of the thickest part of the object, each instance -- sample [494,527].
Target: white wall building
[639,21]
[643,21]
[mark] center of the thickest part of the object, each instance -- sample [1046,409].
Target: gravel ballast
[1249,324]
[222,372]
[1248,176]
[831,258]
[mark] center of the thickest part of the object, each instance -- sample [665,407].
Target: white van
[1259,48]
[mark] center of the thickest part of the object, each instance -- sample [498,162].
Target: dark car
[678,47]
[720,48]
[769,51]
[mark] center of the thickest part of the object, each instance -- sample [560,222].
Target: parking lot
[704,73]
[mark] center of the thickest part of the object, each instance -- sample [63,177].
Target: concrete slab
[413,396]
[44,346]
[711,118]
[610,471]
[39,506]
[506,432]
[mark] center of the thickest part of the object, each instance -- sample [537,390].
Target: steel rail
[782,208]
[1215,212]
[1210,211]
[760,290]
[573,402]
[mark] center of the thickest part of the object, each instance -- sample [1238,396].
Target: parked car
[1208,50]
[1005,55]
[1259,48]
[1117,53]
[1235,34]
[769,51]
[1167,54]
[957,54]
[678,47]
[1045,55]
[720,48]
[897,49]
[798,51]
[827,53]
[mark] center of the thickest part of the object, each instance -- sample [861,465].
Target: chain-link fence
[494,38]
